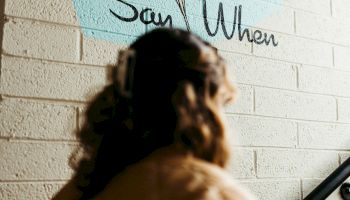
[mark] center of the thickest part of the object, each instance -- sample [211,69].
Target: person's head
[168,87]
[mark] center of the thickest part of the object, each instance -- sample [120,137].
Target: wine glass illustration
[182,6]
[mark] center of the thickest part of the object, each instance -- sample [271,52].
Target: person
[157,131]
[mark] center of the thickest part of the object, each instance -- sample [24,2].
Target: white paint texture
[290,125]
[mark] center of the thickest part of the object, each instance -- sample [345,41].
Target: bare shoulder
[68,192]
[221,184]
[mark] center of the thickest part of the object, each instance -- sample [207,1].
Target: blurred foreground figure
[157,131]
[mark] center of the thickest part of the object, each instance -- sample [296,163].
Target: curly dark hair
[169,93]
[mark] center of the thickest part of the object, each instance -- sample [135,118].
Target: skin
[68,192]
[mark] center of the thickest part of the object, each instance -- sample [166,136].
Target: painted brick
[316,6]
[280,20]
[242,164]
[296,49]
[255,13]
[295,163]
[342,58]
[32,78]
[100,52]
[41,40]
[244,101]
[322,28]
[24,119]
[96,15]
[309,184]
[48,10]
[324,136]
[177,19]
[34,161]
[274,189]
[262,72]
[220,41]
[344,110]
[192,7]
[232,45]
[258,131]
[344,157]
[341,9]
[278,103]
[324,81]
[24,191]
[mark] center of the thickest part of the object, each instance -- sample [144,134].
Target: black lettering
[143,15]
[245,31]
[224,26]
[163,23]
[183,12]
[206,23]
[147,16]
[257,39]
[130,19]
[271,38]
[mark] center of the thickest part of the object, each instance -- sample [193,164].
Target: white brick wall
[41,40]
[342,58]
[268,189]
[344,110]
[321,7]
[45,79]
[34,161]
[324,136]
[263,131]
[25,191]
[52,11]
[289,127]
[26,119]
[295,163]
[286,104]
[324,81]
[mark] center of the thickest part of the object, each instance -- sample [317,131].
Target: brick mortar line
[253,27]
[80,46]
[58,181]
[220,50]
[47,100]
[301,188]
[331,8]
[337,108]
[255,163]
[298,136]
[288,119]
[339,151]
[333,57]
[299,91]
[294,8]
[334,68]
[297,76]
[269,179]
[294,22]
[65,25]
[225,51]
[82,103]
[37,141]
[52,61]
[297,178]
[285,61]
[256,148]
